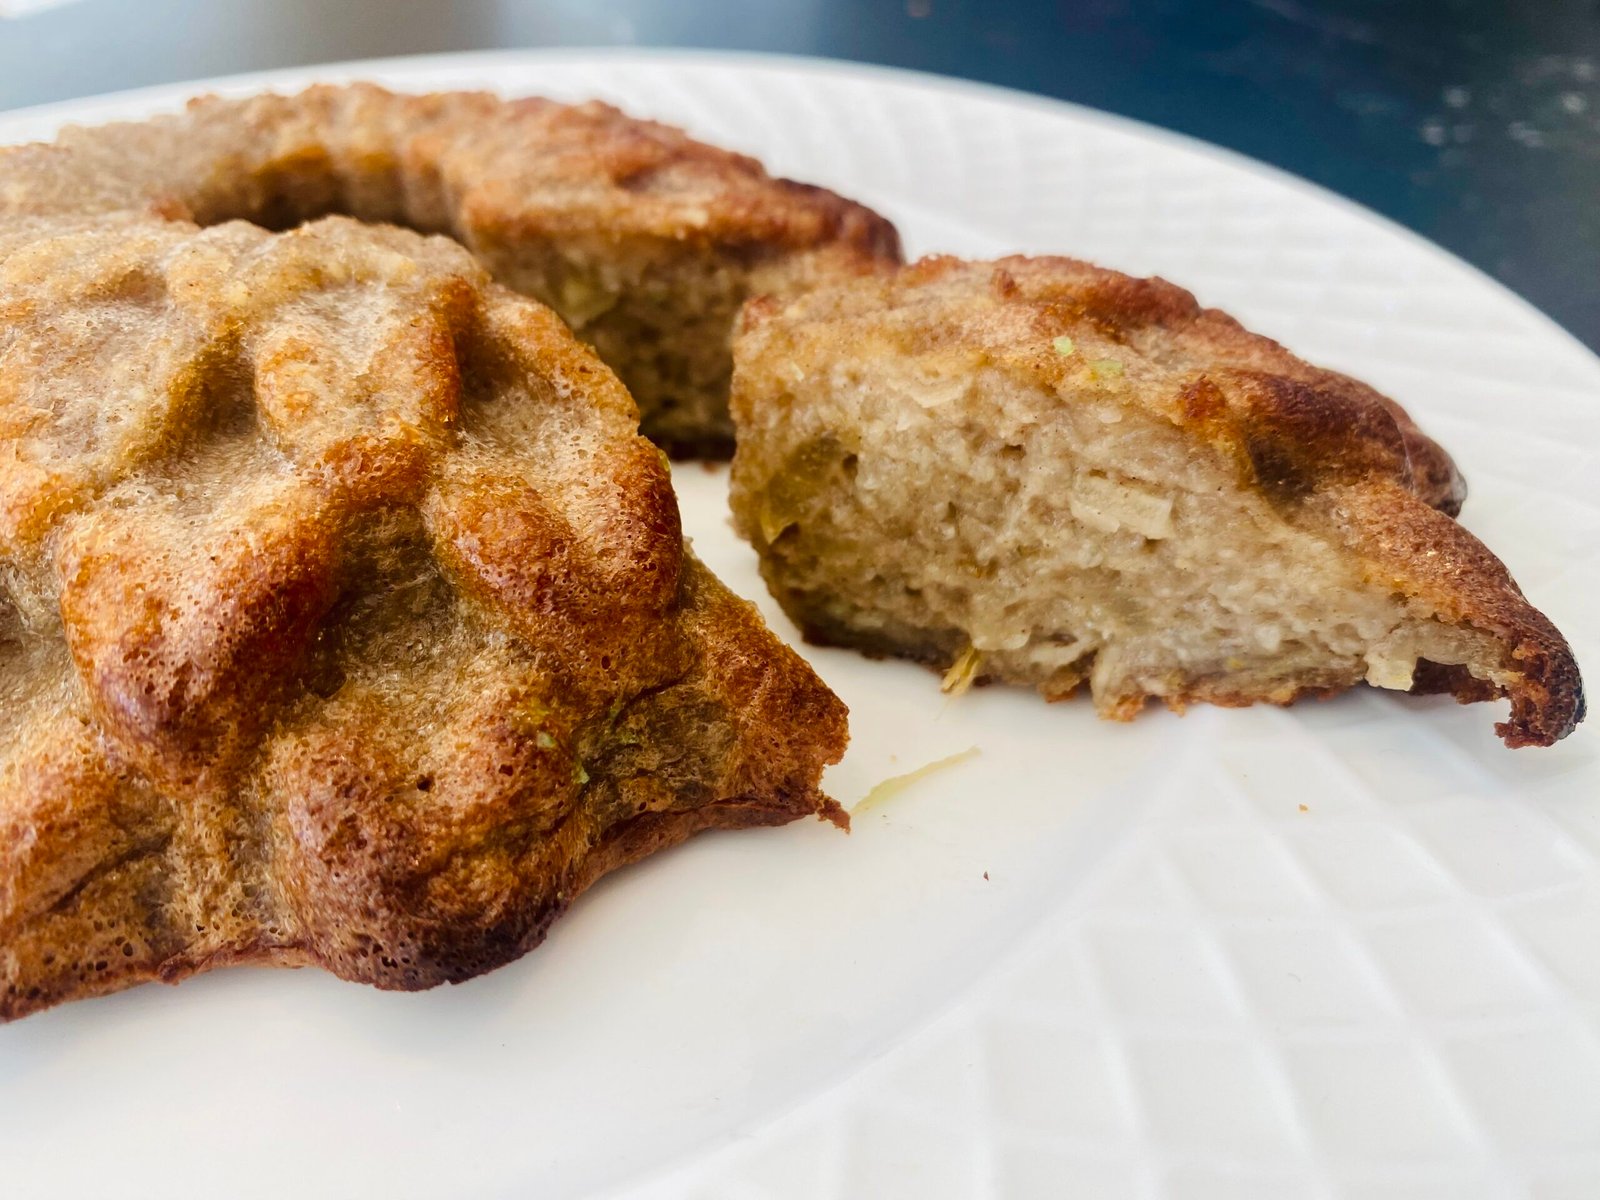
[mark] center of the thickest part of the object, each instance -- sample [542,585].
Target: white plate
[1349,949]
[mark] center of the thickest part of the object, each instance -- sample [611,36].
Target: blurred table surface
[1475,122]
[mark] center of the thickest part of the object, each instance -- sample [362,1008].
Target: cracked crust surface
[1052,473]
[644,240]
[345,619]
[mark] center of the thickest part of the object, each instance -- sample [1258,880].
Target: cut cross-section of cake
[1038,471]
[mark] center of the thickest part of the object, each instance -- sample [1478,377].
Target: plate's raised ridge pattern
[1388,992]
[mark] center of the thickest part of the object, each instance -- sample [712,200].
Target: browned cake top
[468,163]
[1327,450]
[642,238]
[344,617]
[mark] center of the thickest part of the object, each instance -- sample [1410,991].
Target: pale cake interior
[987,525]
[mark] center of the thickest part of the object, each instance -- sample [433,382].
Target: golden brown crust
[642,238]
[1331,455]
[344,617]
[1297,426]
[468,163]
[1425,554]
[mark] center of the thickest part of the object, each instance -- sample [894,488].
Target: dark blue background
[1476,123]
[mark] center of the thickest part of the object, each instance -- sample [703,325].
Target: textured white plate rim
[398,70]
